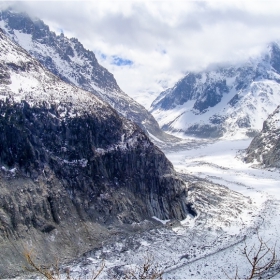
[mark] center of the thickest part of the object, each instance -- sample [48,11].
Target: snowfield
[221,162]
[234,202]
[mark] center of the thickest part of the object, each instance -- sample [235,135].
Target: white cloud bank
[163,39]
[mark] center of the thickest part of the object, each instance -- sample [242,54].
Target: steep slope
[228,101]
[264,149]
[70,166]
[68,59]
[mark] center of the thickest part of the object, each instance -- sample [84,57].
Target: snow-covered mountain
[68,59]
[264,149]
[229,101]
[72,169]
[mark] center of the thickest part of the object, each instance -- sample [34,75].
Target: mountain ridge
[229,101]
[73,171]
[68,59]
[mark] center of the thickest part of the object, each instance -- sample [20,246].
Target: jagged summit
[70,166]
[230,101]
[68,59]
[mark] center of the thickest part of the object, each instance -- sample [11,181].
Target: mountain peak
[69,60]
[229,101]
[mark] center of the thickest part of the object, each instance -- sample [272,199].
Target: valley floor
[221,162]
[242,204]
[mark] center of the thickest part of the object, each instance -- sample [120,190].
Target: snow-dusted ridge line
[230,102]
[68,59]
[29,82]
[35,83]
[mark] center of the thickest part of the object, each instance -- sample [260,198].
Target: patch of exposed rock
[265,147]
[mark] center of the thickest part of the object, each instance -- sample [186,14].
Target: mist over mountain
[228,101]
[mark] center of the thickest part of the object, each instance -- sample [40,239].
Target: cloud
[148,45]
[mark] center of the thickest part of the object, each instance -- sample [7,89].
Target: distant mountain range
[227,101]
[69,60]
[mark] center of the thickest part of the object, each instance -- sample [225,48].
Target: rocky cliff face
[70,166]
[230,101]
[264,149]
[68,59]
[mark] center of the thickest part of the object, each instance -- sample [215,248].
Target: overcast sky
[149,45]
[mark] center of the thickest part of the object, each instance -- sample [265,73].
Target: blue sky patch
[103,56]
[121,61]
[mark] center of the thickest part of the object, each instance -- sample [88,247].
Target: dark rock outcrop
[264,149]
[70,167]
